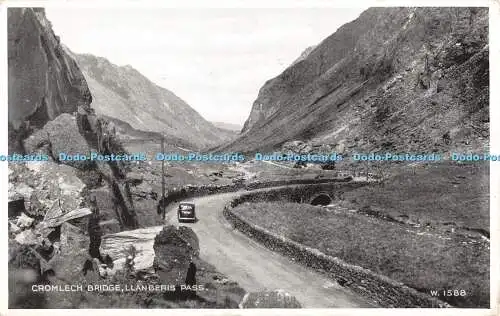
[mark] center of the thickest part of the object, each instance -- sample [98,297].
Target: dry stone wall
[380,289]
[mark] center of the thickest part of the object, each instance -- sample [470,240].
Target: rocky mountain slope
[61,122]
[125,94]
[43,80]
[304,54]
[400,79]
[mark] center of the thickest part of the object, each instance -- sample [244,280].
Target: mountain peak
[123,93]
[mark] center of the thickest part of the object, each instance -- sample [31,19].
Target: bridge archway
[321,199]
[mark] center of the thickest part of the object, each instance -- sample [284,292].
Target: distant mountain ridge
[123,93]
[228,126]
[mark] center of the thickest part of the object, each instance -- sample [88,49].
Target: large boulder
[269,299]
[62,136]
[117,247]
[174,248]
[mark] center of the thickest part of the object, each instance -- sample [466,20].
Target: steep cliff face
[395,78]
[46,91]
[43,80]
[125,94]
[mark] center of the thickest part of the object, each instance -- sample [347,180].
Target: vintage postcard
[230,158]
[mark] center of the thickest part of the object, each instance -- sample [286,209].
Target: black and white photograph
[233,157]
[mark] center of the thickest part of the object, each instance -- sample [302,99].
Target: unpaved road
[255,267]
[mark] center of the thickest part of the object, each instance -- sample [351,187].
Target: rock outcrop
[49,190]
[174,247]
[406,79]
[43,80]
[50,113]
[60,135]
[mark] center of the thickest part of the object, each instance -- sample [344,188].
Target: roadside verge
[378,288]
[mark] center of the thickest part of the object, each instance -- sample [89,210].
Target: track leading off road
[255,267]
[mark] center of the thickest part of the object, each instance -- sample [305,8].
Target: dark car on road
[186,212]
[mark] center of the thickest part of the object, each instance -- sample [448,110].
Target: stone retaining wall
[300,193]
[197,191]
[383,291]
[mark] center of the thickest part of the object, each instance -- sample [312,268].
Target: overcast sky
[214,59]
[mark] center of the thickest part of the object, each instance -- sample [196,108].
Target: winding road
[255,267]
[240,258]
